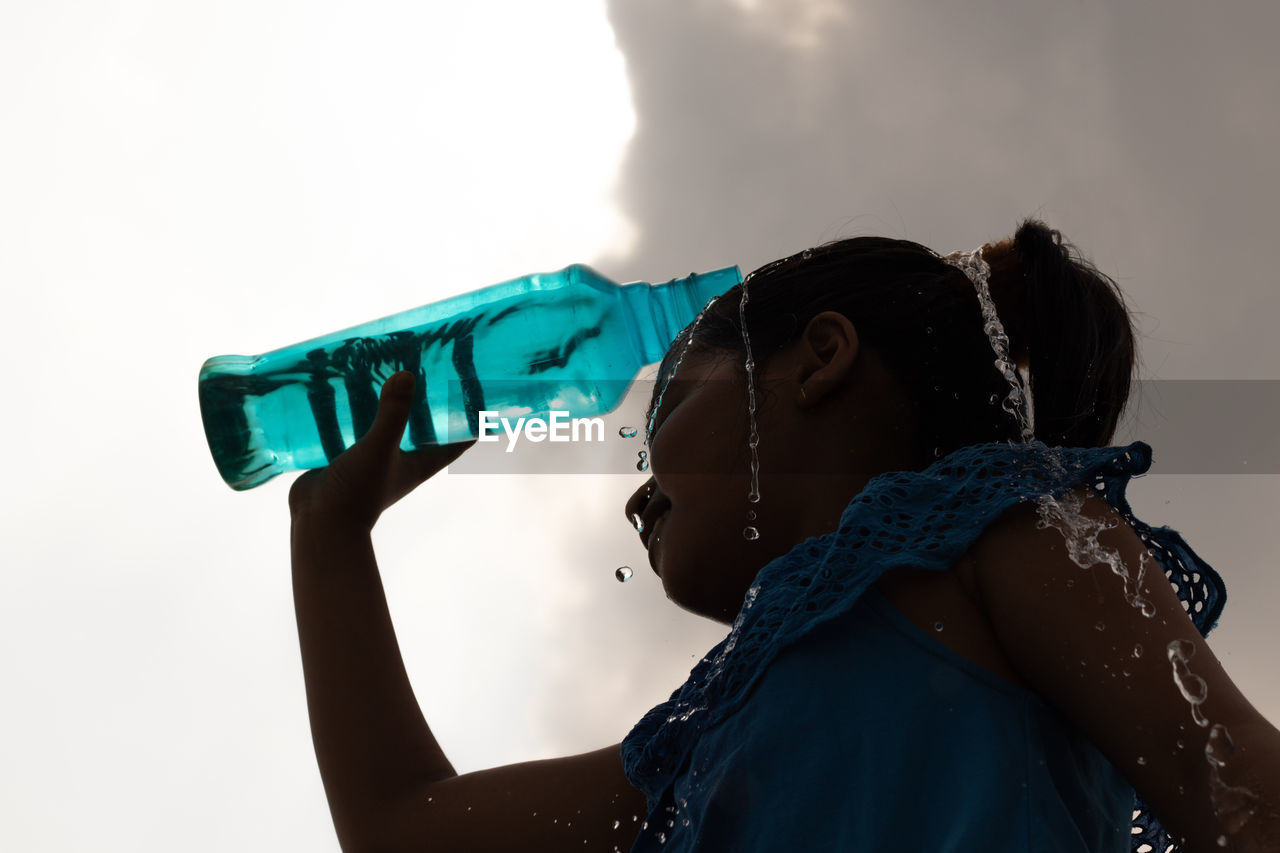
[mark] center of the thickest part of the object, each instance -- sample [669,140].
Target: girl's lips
[653,543]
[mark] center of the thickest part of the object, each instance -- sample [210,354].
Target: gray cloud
[1144,131]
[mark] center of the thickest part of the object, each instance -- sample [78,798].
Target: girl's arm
[1074,638]
[388,782]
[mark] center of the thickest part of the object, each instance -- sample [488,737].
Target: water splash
[1018,403]
[753,438]
[1080,534]
[684,709]
[1233,806]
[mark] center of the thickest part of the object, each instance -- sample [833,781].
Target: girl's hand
[373,473]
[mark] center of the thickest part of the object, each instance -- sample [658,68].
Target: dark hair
[1065,320]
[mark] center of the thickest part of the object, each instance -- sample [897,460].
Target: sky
[183,180]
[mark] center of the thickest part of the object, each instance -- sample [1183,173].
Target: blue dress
[827,721]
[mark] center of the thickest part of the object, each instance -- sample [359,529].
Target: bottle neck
[662,310]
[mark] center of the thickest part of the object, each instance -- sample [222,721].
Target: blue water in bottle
[570,341]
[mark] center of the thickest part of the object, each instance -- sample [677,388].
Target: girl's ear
[827,350]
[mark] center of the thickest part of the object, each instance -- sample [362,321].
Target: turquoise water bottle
[572,341]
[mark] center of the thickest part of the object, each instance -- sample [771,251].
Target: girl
[948,630]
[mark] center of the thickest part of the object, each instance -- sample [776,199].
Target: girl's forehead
[694,367]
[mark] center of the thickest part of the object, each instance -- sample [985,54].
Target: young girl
[949,632]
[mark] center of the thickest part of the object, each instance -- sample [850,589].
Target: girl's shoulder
[946,607]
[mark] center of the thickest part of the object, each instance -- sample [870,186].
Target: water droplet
[1222,841]
[928,330]
[1192,686]
[993,399]
[937,453]
[937,626]
[1142,761]
[751,515]
[1137,650]
[617,823]
[623,573]
[637,522]
[1101,626]
[1219,746]
[750,533]
[628,432]
[642,464]
[806,254]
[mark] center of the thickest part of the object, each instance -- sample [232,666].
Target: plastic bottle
[569,341]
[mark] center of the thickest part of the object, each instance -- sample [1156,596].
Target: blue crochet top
[939,754]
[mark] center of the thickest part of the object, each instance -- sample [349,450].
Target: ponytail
[1071,326]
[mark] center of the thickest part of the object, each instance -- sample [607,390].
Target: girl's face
[817,450]
[694,506]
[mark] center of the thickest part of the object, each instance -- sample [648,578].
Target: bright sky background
[179,180]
